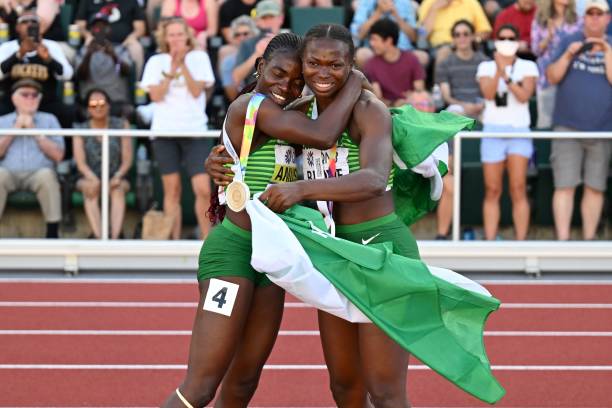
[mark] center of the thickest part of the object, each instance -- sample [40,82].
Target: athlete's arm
[373,122]
[295,127]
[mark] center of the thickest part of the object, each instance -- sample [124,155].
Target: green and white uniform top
[271,163]
[317,163]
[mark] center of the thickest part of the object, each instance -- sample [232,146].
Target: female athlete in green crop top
[361,359]
[238,315]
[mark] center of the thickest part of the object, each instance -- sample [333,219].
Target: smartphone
[587,46]
[34,32]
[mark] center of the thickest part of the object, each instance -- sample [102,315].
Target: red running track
[570,366]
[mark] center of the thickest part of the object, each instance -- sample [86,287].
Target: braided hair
[333,31]
[281,43]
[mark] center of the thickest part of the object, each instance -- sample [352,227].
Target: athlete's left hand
[280,197]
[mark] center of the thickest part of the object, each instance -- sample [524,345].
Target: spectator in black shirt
[230,10]
[127,22]
[32,57]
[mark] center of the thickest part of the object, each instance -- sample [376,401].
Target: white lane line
[289,305]
[280,333]
[192,281]
[157,367]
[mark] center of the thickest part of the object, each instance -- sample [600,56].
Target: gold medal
[236,195]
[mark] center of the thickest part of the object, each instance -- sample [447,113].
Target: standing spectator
[201,15]
[30,56]
[231,9]
[369,12]
[456,76]
[582,71]
[88,157]
[437,17]
[520,15]
[127,22]
[27,162]
[506,83]
[104,66]
[554,20]
[243,28]
[177,80]
[269,18]
[394,73]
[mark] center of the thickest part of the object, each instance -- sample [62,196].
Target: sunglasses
[458,34]
[29,95]
[506,38]
[97,104]
[595,13]
[239,34]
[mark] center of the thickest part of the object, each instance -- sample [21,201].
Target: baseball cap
[600,4]
[26,82]
[99,16]
[268,8]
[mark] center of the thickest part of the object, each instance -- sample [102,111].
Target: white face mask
[507,48]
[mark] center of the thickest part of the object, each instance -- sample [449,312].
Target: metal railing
[105,134]
[71,255]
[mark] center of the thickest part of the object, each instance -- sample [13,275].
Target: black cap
[26,82]
[99,16]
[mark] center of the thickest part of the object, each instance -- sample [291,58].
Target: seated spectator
[230,10]
[394,73]
[104,66]
[437,17]
[177,80]
[554,20]
[30,56]
[27,162]
[457,74]
[127,22]
[269,19]
[520,15]
[507,84]
[201,15]
[369,12]
[243,28]
[582,71]
[88,156]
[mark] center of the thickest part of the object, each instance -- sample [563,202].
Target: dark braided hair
[281,43]
[332,31]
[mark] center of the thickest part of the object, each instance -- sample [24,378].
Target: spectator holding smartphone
[507,83]
[582,72]
[39,59]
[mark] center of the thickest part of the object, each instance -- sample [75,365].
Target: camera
[587,46]
[33,32]
[501,100]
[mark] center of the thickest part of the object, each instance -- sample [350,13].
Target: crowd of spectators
[177,64]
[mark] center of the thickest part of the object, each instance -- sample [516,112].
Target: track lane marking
[191,281]
[280,333]
[157,367]
[289,305]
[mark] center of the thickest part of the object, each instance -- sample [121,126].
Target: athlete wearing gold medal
[240,311]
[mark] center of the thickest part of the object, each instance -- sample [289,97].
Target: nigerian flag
[438,321]
[420,158]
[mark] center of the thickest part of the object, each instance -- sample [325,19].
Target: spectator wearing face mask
[506,84]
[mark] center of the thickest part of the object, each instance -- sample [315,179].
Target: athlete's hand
[280,197]
[215,166]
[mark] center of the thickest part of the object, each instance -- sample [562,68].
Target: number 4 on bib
[220,297]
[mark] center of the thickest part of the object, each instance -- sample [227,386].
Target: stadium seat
[303,18]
